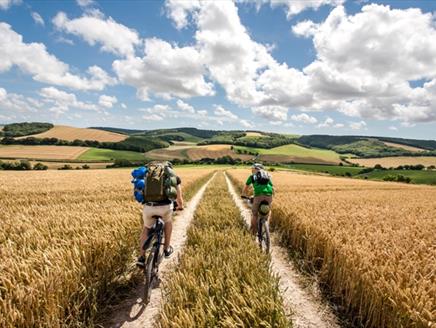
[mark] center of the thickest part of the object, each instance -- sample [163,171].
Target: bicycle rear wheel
[263,235]
[150,276]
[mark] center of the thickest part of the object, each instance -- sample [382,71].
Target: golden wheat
[67,238]
[373,244]
[223,279]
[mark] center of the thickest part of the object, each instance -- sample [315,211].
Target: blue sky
[307,67]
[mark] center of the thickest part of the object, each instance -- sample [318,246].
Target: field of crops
[71,133]
[223,279]
[101,154]
[371,243]
[42,152]
[396,161]
[296,153]
[67,240]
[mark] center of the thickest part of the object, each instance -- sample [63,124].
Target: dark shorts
[256,203]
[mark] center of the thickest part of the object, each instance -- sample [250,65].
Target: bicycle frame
[262,226]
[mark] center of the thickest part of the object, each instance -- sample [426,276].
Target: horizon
[290,67]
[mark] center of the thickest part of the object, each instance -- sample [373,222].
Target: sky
[343,67]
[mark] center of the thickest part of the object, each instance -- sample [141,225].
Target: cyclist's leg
[167,217]
[254,214]
[147,216]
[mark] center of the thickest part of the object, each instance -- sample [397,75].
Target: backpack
[261,177]
[157,184]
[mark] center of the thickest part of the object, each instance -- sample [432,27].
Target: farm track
[304,308]
[131,313]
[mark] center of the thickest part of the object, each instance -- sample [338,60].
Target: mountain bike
[153,246]
[263,235]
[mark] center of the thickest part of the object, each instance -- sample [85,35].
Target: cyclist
[263,191]
[163,209]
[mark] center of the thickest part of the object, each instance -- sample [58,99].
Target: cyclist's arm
[247,186]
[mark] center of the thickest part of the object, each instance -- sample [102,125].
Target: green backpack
[160,182]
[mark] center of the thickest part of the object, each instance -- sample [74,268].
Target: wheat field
[67,240]
[42,152]
[70,133]
[372,244]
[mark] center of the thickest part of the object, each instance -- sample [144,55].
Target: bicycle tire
[149,275]
[263,235]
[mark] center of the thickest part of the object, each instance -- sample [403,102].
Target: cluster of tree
[22,165]
[239,139]
[25,128]
[245,151]
[397,178]
[69,167]
[133,143]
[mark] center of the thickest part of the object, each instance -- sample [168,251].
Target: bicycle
[154,244]
[263,235]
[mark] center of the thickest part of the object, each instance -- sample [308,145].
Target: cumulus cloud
[94,28]
[62,101]
[37,18]
[304,118]
[179,11]
[185,107]
[358,125]
[107,101]
[359,65]
[16,103]
[33,59]
[222,113]
[165,70]
[85,3]
[5,4]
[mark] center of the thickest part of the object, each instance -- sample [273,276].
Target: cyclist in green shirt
[263,191]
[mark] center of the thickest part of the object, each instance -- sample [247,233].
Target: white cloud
[165,70]
[273,113]
[178,11]
[123,105]
[359,65]
[5,4]
[329,122]
[152,117]
[85,3]
[393,128]
[96,29]
[246,124]
[304,118]
[16,103]
[358,125]
[37,18]
[222,113]
[185,107]
[62,101]
[107,101]
[33,59]
[294,7]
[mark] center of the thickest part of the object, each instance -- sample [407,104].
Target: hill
[25,129]
[70,133]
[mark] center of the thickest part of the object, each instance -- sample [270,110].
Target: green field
[419,177]
[100,154]
[329,169]
[297,151]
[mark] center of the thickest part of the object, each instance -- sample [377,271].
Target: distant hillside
[117,130]
[366,147]
[70,133]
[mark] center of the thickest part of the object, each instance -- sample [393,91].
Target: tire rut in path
[131,313]
[305,310]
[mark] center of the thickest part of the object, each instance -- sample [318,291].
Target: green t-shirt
[260,189]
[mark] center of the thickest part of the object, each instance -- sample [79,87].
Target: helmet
[257,166]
